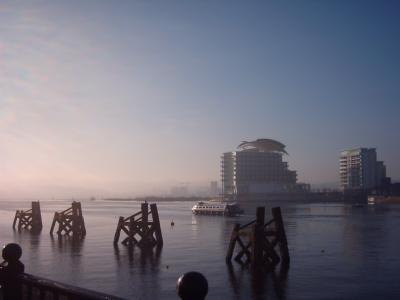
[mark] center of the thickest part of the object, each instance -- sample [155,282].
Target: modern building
[179,191]
[257,168]
[214,188]
[360,170]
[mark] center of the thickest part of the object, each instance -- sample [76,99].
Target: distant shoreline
[334,197]
[160,199]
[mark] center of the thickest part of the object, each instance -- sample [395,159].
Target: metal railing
[37,288]
[17,285]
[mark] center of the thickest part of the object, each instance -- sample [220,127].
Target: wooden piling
[70,221]
[156,224]
[257,241]
[280,228]
[30,219]
[258,236]
[140,230]
[232,242]
[118,231]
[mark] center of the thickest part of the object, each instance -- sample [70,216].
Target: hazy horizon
[131,98]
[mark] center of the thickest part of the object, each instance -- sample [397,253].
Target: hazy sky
[129,97]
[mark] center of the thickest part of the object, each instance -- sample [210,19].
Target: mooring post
[156,224]
[144,227]
[75,218]
[232,242]
[15,218]
[9,272]
[80,220]
[282,241]
[258,237]
[53,223]
[131,230]
[21,216]
[118,231]
[37,224]
[145,214]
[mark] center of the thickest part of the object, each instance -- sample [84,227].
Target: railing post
[192,286]
[10,270]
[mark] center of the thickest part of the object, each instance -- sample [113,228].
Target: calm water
[337,252]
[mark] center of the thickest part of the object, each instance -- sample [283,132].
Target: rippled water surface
[338,251]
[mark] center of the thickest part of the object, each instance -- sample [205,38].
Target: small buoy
[172,223]
[322,251]
[167,266]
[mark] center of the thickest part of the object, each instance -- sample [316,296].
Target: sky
[132,97]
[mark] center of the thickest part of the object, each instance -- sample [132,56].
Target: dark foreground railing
[34,287]
[17,285]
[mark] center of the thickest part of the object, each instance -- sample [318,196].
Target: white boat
[217,208]
[371,200]
[375,199]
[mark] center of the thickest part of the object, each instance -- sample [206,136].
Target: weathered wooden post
[232,242]
[120,226]
[156,225]
[30,219]
[258,236]
[37,224]
[70,221]
[78,223]
[10,269]
[145,241]
[131,232]
[280,228]
[139,229]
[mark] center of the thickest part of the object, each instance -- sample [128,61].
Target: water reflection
[143,267]
[67,244]
[148,259]
[29,241]
[272,283]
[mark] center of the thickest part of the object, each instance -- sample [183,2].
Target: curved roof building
[263,145]
[257,169]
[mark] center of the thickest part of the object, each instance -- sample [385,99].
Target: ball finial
[192,286]
[12,252]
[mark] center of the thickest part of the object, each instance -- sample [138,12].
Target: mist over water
[337,251]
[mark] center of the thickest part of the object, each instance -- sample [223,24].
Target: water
[337,252]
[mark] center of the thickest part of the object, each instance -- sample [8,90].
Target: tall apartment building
[256,169]
[359,169]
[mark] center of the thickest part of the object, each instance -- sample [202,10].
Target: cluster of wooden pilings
[261,244]
[142,228]
[70,221]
